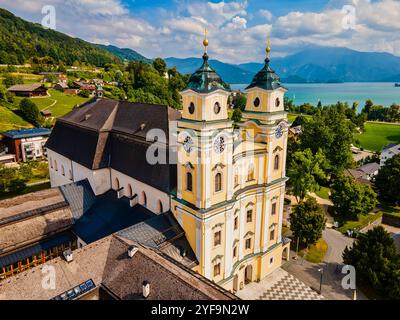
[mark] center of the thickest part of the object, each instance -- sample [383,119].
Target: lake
[382,93]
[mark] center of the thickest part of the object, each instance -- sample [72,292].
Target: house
[71,91]
[85,86]
[388,152]
[61,86]
[28,90]
[27,144]
[46,113]
[365,173]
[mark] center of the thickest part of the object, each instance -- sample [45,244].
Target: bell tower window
[189,181]
[218,182]
[217,108]
[191,108]
[277,102]
[256,102]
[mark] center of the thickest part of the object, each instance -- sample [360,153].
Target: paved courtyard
[279,285]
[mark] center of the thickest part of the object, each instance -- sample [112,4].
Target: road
[337,242]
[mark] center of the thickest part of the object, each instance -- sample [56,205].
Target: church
[225,190]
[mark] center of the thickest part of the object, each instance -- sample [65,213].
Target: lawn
[377,135]
[323,193]
[58,103]
[363,221]
[316,252]
[9,120]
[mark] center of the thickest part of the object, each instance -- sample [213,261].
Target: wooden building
[28,90]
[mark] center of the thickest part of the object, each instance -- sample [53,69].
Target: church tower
[229,197]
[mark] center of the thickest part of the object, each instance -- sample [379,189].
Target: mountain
[125,53]
[229,72]
[21,40]
[313,64]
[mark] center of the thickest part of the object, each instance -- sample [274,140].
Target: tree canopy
[351,199]
[307,221]
[375,258]
[387,181]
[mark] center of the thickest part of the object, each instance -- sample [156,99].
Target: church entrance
[248,274]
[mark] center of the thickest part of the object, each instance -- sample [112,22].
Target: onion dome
[205,79]
[266,78]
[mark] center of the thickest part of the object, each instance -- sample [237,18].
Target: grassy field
[316,252]
[9,120]
[362,222]
[377,135]
[58,103]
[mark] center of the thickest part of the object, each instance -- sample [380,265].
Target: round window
[277,102]
[256,102]
[191,108]
[217,108]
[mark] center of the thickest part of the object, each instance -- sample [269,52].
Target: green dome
[266,79]
[206,80]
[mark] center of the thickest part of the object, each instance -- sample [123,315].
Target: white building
[388,152]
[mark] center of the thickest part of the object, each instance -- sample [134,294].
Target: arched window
[55,165]
[250,173]
[276,162]
[116,184]
[62,170]
[143,199]
[218,182]
[159,207]
[189,181]
[130,193]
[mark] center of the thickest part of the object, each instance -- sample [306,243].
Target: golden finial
[268,49]
[205,41]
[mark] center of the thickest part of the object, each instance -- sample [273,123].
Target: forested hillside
[22,41]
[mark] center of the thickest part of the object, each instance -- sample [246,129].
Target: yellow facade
[230,192]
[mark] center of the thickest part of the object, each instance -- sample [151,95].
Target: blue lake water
[382,93]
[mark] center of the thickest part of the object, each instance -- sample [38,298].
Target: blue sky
[238,29]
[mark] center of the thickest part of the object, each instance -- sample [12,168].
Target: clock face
[188,144]
[219,145]
[279,132]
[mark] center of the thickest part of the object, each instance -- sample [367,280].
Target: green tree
[330,131]
[160,65]
[299,121]
[10,80]
[84,93]
[368,106]
[307,221]
[30,111]
[375,258]
[351,199]
[304,171]
[236,115]
[388,180]
[239,101]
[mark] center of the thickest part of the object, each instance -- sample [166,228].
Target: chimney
[68,255]
[146,289]
[132,250]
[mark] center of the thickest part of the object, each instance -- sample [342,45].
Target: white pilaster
[228,242]
[270,159]
[242,226]
[284,154]
[267,204]
[230,178]
[198,241]
[259,205]
[281,204]
[207,250]
[260,170]
[208,180]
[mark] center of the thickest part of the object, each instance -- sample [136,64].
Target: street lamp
[321,270]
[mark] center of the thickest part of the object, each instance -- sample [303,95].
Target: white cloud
[266,14]
[234,34]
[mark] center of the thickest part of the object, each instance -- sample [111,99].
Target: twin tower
[231,183]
